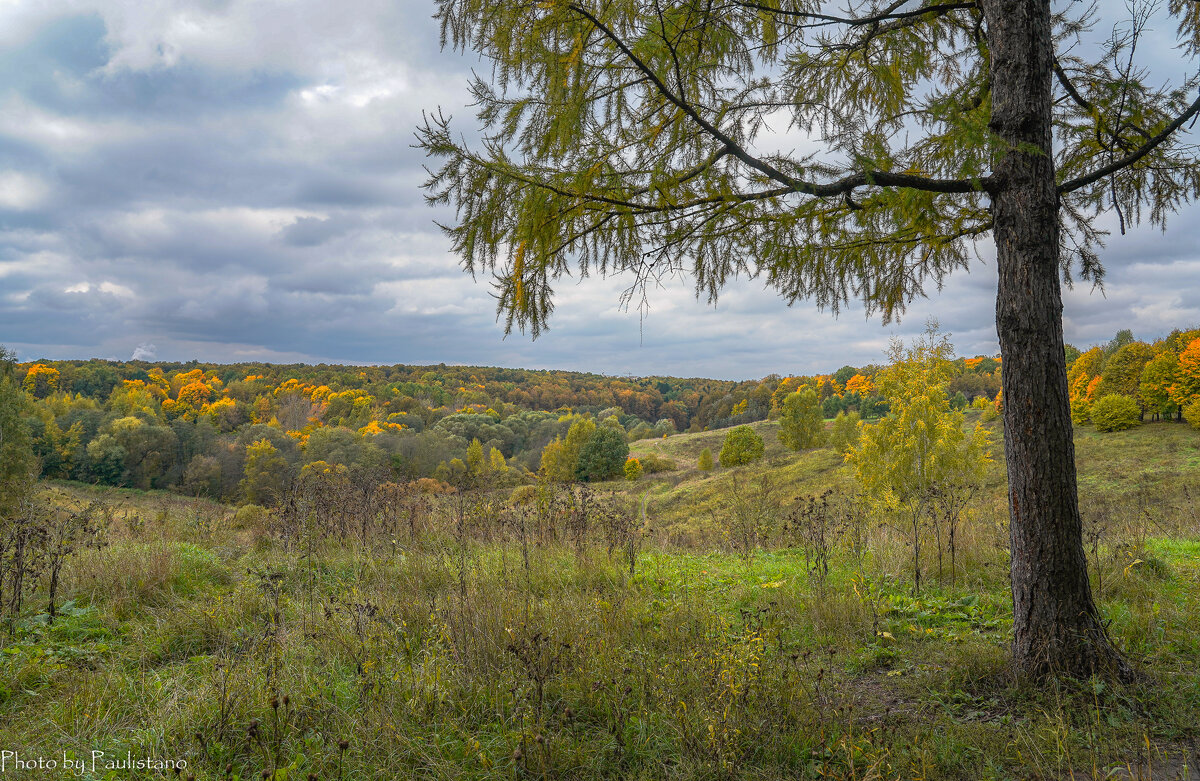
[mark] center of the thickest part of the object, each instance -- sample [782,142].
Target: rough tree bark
[1056,626]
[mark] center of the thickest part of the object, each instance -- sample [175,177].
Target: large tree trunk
[1056,627]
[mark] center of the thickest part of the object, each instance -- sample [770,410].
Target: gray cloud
[234,180]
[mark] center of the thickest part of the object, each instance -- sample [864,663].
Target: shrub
[706,460]
[652,464]
[742,445]
[1114,412]
[250,516]
[1191,413]
[523,494]
[633,469]
[427,485]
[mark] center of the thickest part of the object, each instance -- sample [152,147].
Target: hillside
[494,638]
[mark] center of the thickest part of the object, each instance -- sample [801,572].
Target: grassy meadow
[697,626]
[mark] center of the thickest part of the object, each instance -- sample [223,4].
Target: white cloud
[144,352]
[113,289]
[22,192]
[234,180]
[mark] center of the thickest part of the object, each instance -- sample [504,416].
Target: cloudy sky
[234,180]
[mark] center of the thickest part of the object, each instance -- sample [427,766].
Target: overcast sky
[233,180]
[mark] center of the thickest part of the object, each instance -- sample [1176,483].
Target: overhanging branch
[823,190]
[1134,156]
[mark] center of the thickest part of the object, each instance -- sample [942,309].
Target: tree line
[240,432]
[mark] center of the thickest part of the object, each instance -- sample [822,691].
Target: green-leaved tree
[742,445]
[603,455]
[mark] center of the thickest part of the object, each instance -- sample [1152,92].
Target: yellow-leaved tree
[918,465]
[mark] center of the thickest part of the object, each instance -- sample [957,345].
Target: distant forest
[224,430]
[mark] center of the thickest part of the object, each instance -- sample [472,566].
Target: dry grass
[194,637]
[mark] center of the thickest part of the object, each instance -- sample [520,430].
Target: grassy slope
[683,502]
[427,658]
[1158,458]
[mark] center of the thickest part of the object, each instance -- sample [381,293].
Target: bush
[1191,413]
[1114,412]
[706,460]
[742,445]
[633,469]
[523,494]
[250,516]
[652,464]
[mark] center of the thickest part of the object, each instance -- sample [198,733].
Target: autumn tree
[919,454]
[554,465]
[800,423]
[496,463]
[1158,377]
[632,138]
[859,384]
[1123,371]
[1082,379]
[560,457]
[577,436]
[475,456]
[1191,413]
[41,380]
[1185,389]
[705,462]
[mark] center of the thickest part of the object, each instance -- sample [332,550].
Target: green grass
[446,658]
